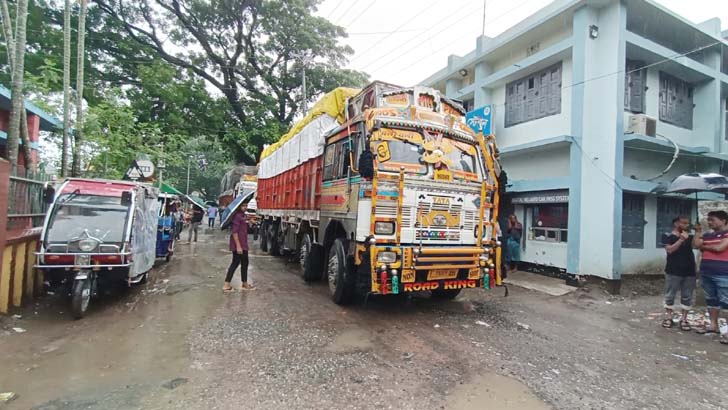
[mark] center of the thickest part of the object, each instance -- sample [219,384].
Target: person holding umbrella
[714,267]
[239,248]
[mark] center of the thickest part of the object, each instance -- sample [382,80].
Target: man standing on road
[195,221]
[211,215]
[679,271]
[714,267]
[239,248]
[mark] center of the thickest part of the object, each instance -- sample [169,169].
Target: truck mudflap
[400,269]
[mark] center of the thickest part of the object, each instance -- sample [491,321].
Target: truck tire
[304,250]
[271,236]
[80,298]
[449,294]
[341,283]
[263,237]
[314,270]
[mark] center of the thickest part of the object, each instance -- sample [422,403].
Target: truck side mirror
[366,164]
[49,194]
[126,198]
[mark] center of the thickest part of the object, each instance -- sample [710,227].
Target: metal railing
[26,208]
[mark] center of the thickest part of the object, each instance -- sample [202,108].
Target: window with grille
[535,96]
[676,101]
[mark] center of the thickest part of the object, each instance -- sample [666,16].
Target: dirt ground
[179,343]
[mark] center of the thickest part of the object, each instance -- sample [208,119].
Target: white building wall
[551,163]
[547,127]
[544,37]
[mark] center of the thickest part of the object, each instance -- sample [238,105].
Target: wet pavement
[178,342]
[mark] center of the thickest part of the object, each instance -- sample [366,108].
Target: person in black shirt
[197,214]
[679,271]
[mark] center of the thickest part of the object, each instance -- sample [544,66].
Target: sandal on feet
[247,287]
[723,339]
[667,323]
[706,330]
[227,288]
[685,326]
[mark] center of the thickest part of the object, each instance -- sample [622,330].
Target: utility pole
[484,3]
[160,165]
[305,109]
[67,89]
[78,135]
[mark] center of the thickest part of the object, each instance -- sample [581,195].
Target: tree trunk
[10,42]
[78,135]
[16,99]
[66,87]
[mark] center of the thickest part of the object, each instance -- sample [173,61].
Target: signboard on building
[481,119]
[543,197]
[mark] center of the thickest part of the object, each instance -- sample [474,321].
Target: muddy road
[178,342]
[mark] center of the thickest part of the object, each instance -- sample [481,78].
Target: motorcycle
[97,231]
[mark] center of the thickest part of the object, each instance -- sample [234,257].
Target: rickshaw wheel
[81,298]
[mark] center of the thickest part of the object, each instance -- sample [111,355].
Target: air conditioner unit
[642,124]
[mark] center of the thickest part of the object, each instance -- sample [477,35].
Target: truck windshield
[102,216]
[395,154]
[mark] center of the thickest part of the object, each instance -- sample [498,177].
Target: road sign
[133,172]
[481,119]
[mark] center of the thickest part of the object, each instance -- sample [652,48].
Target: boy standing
[679,271]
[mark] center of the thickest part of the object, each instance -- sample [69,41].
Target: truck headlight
[87,245]
[384,228]
[386,257]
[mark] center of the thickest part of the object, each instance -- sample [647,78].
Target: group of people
[192,217]
[681,269]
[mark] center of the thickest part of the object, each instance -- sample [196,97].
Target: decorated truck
[383,190]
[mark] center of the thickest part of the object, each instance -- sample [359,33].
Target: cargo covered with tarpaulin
[289,172]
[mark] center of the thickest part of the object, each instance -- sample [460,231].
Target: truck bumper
[411,268]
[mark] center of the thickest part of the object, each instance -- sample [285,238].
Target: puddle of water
[351,340]
[493,391]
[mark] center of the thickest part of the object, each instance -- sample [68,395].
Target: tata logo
[441,200]
[439,220]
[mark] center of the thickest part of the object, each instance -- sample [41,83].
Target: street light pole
[303,65]
[189,158]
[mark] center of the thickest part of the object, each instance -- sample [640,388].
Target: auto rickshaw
[96,232]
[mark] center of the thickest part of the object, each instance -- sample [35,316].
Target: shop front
[545,219]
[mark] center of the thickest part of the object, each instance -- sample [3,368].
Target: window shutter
[519,109]
[663,98]
[633,221]
[555,91]
[636,87]
[532,98]
[543,94]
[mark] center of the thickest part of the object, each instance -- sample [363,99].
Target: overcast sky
[404,41]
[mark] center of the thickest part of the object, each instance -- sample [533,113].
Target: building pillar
[452,86]
[597,154]
[482,94]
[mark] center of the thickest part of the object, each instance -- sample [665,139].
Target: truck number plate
[439,274]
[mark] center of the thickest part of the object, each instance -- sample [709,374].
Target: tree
[250,50]
[16,48]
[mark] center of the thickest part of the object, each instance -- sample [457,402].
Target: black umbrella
[693,183]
